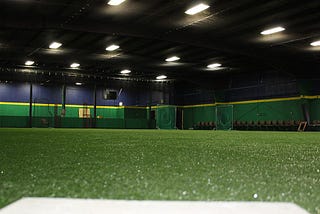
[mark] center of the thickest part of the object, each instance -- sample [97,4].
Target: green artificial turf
[160,165]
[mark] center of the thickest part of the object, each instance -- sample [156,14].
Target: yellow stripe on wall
[13,103]
[155,107]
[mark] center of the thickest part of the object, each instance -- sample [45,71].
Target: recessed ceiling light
[55,45]
[75,65]
[172,59]
[125,71]
[29,62]
[78,83]
[272,30]
[161,77]
[197,9]
[214,65]
[112,47]
[115,2]
[316,43]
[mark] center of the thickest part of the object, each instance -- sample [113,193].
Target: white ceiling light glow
[125,71]
[78,83]
[29,62]
[75,65]
[272,30]
[112,47]
[115,2]
[197,9]
[161,77]
[55,45]
[214,65]
[316,43]
[172,59]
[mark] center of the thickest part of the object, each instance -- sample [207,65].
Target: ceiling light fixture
[112,47]
[115,2]
[316,43]
[75,65]
[161,77]
[272,30]
[197,9]
[78,83]
[214,65]
[125,71]
[55,45]
[172,59]
[29,62]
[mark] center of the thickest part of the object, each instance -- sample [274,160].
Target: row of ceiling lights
[113,47]
[201,7]
[75,65]
[280,29]
[192,11]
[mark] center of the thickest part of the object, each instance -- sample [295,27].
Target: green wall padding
[281,110]
[110,123]
[13,115]
[134,113]
[115,113]
[136,123]
[14,110]
[260,111]
[14,121]
[315,109]
[166,117]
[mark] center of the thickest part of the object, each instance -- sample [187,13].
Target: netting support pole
[30,106]
[64,97]
[95,106]
[182,119]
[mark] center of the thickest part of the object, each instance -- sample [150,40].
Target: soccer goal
[166,116]
[224,117]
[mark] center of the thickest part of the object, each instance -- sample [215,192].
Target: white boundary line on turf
[91,206]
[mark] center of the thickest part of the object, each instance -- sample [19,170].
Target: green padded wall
[194,115]
[315,109]
[255,111]
[14,115]
[166,117]
[280,110]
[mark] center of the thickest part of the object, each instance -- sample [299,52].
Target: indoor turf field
[161,165]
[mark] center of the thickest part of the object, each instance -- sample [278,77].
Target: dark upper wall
[251,86]
[130,93]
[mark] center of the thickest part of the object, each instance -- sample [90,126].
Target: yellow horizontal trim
[255,101]
[199,105]
[110,107]
[263,101]
[135,107]
[43,104]
[14,103]
[161,106]
[79,106]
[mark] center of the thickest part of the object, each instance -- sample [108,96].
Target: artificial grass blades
[161,165]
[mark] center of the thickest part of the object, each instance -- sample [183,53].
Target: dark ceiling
[149,31]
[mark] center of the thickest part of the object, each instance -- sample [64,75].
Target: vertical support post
[64,97]
[30,106]
[95,106]
[182,119]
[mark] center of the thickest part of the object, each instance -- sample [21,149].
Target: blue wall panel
[127,97]
[79,95]
[14,92]
[47,94]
